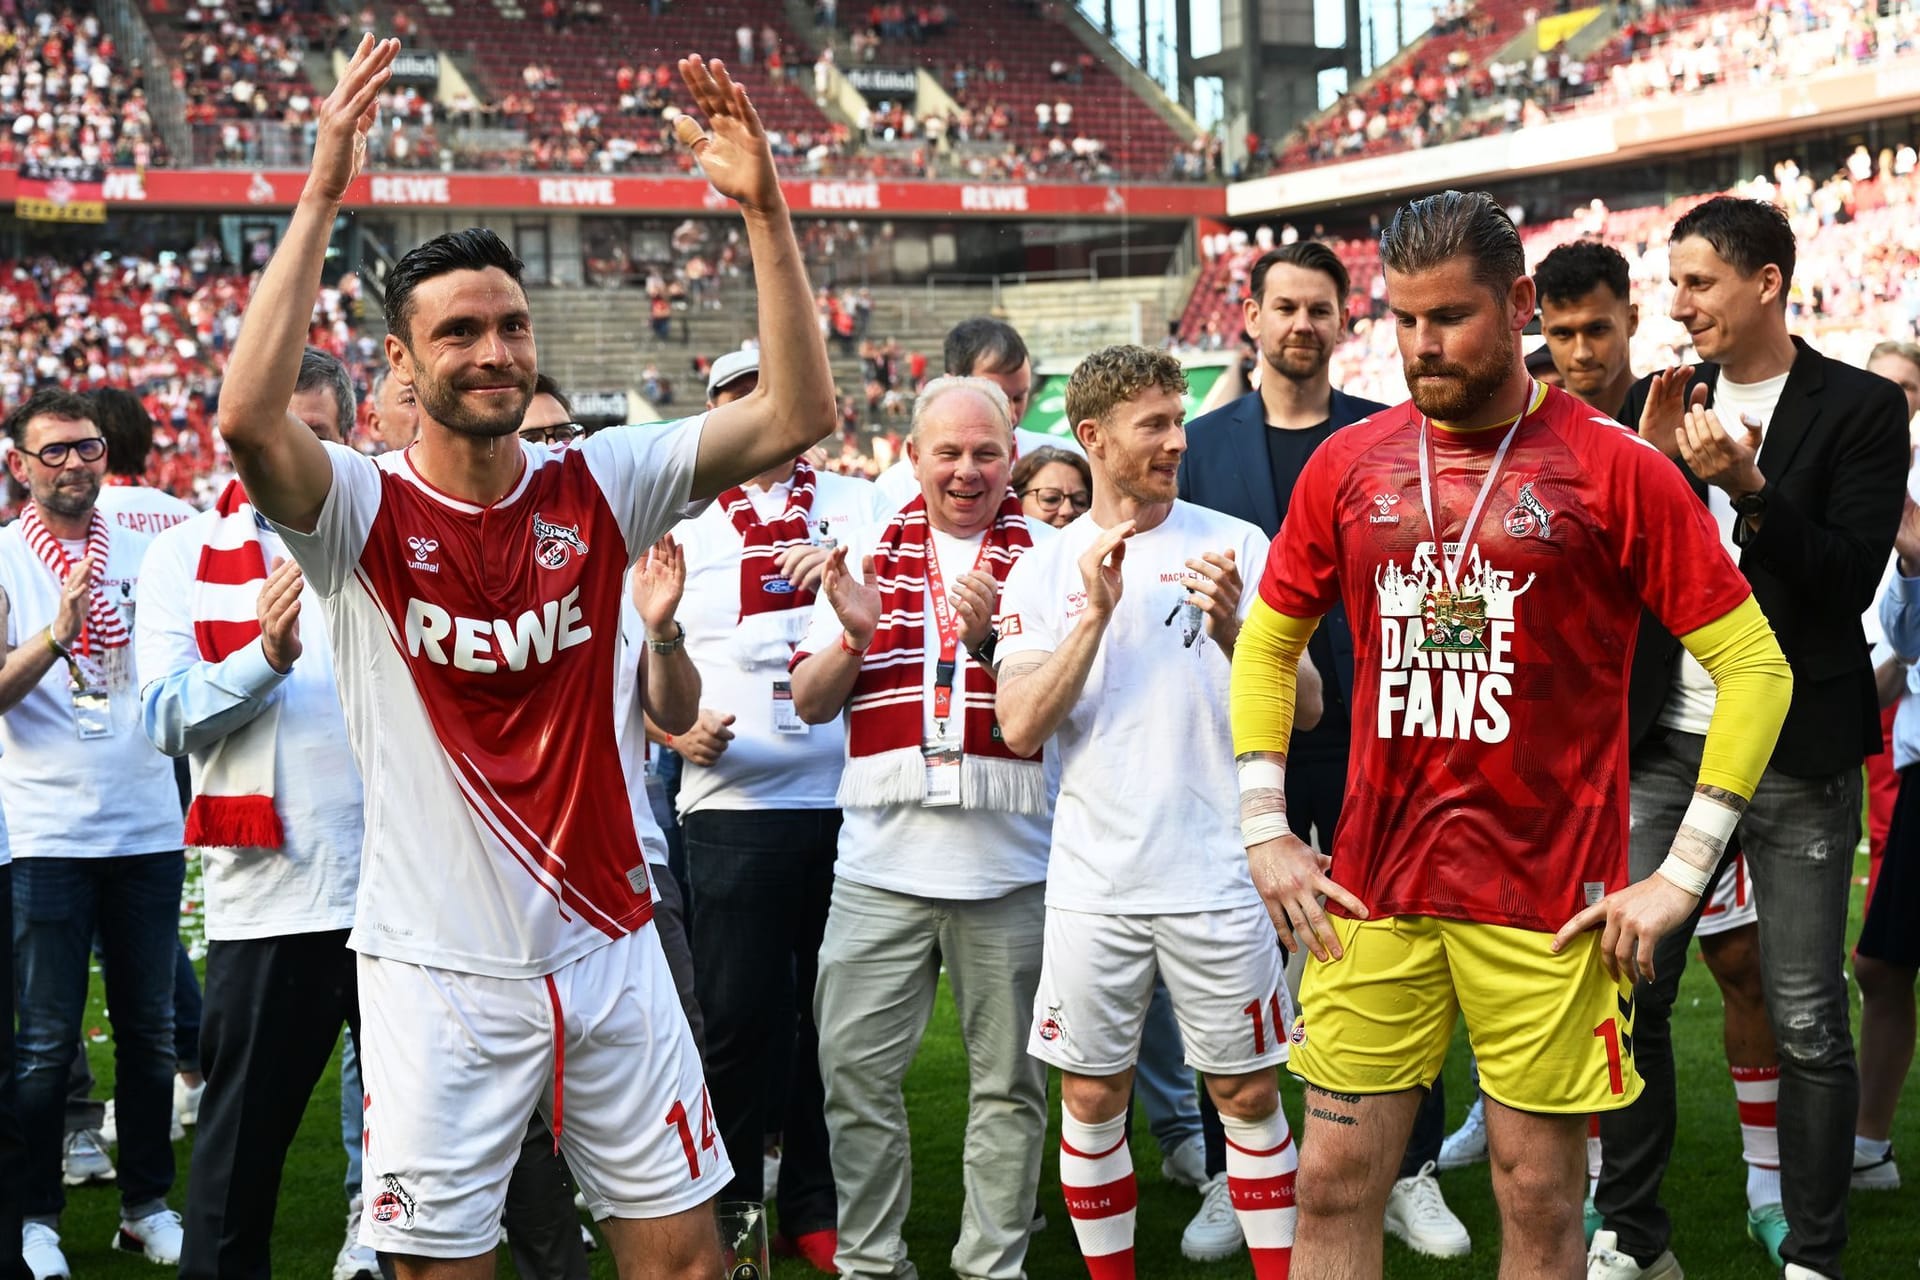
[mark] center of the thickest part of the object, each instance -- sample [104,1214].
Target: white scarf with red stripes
[773,612]
[886,712]
[99,651]
[233,777]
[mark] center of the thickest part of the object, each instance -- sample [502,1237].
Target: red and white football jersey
[476,651]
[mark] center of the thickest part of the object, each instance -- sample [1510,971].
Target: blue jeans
[133,902]
[12,1150]
[1798,836]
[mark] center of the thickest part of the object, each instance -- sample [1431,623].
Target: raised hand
[347,116]
[856,602]
[1100,569]
[735,155]
[1217,591]
[1662,417]
[71,613]
[802,564]
[659,580]
[1726,460]
[975,597]
[279,613]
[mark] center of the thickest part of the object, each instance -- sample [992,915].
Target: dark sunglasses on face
[54,455]
[1050,499]
[558,433]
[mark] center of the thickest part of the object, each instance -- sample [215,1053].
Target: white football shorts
[1222,968]
[455,1063]
[1732,903]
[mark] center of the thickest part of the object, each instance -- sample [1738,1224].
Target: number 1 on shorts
[677,1117]
[1252,1010]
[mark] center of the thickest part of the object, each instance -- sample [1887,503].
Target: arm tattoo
[1733,801]
[1014,668]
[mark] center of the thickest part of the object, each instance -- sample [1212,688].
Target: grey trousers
[1798,836]
[878,975]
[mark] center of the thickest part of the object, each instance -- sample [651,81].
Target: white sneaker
[186,1103]
[1417,1213]
[156,1236]
[355,1261]
[1794,1271]
[1875,1175]
[1215,1232]
[110,1127]
[769,1173]
[1186,1164]
[84,1159]
[1467,1144]
[40,1246]
[1606,1262]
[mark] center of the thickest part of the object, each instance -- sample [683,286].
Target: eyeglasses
[1050,499]
[92,449]
[558,433]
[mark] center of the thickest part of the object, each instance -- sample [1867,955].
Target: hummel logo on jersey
[1529,517]
[486,644]
[1385,502]
[422,548]
[555,544]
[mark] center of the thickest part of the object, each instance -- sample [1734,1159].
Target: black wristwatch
[983,652]
[1755,503]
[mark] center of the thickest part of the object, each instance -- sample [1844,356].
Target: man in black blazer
[1243,459]
[1803,460]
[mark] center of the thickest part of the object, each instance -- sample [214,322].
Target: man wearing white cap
[758,809]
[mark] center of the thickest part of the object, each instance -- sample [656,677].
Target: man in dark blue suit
[1243,459]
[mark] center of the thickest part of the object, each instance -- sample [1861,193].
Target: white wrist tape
[1700,843]
[1262,828]
[1262,775]
[1677,870]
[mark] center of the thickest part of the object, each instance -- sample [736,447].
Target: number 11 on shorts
[1252,1010]
[677,1117]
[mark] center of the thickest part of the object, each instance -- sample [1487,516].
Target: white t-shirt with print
[66,796]
[1148,819]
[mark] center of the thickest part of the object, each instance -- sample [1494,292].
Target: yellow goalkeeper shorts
[1553,1033]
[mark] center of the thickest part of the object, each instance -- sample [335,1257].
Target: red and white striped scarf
[104,628]
[762,589]
[233,777]
[886,719]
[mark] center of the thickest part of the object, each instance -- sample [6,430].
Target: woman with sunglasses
[1054,485]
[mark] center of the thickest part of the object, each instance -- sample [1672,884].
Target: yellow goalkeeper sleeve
[1266,660]
[1752,687]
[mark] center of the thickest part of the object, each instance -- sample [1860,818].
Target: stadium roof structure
[1637,130]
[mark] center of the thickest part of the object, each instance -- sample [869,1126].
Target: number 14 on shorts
[677,1118]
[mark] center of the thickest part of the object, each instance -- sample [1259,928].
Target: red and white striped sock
[1096,1177]
[1758,1091]
[1593,1155]
[1261,1163]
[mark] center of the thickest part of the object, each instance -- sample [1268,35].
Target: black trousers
[274,1009]
[761,882]
[543,1230]
[1316,789]
[13,1149]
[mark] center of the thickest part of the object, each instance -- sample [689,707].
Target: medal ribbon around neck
[1468,531]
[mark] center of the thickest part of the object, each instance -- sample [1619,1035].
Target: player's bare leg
[680,1246]
[1734,959]
[1262,1166]
[1539,1179]
[1350,1152]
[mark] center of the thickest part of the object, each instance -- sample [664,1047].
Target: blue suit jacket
[1226,468]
